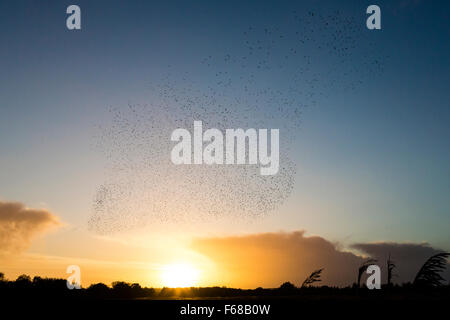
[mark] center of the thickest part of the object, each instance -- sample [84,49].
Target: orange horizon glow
[179,275]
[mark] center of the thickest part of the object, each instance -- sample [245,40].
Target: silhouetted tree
[23,278]
[390,268]
[23,281]
[122,289]
[313,277]
[98,290]
[98,286]
[363,269]
[287,286]
[429,274]
[2,276]
[50,284]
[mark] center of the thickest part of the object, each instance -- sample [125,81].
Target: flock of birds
[263,82]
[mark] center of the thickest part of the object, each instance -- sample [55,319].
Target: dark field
[122,300]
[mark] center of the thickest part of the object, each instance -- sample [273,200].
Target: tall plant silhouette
[390,269]
[429,274]
[313,277]
[363,268]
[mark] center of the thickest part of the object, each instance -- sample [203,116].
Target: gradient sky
[373,161]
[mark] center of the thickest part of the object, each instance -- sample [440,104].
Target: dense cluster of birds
[264,81]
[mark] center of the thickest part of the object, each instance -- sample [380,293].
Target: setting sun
[179,275]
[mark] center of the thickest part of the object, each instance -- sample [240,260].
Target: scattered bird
[264,81]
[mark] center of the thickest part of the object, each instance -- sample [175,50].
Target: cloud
[269,259]
[408,257]
[19,225]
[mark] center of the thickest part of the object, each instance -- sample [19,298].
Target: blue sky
[373,159]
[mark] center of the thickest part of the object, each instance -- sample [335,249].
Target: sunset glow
[179,275]
[159,144]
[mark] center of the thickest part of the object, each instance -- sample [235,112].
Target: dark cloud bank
[278,257]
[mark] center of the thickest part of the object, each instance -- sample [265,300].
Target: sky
[369,147]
